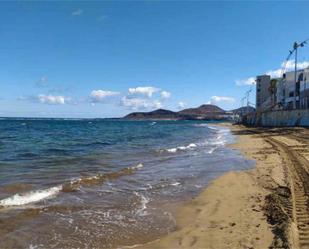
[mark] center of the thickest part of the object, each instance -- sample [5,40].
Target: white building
[283,93]
[291,95]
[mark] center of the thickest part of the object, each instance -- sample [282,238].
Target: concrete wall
[279,118]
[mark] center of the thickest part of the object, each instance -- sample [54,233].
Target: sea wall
[278,118]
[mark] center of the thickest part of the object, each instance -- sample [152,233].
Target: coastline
[233,211]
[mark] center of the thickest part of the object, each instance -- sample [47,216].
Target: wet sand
[245,209]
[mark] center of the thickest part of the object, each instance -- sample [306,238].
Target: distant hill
[157,114]
[203,112]
[243,110]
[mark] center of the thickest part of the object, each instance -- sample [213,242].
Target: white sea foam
[30,197]
[138,166]
[144,201]
[213,128]
[41,194]
[219,140]
[175,184]
[200,125]
[172,150]
[212,150]
[190,146]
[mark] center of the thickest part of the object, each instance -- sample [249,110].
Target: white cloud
[144,90]
[77,12]
[277,73]
[140,103]
[300,65]
[102,18]
[289,66]
[42,81]
[157,104]
[219,99]
[244,82]
[98,96]
[53,100]
[181,105]
[165,95]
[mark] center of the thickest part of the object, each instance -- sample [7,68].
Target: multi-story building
[283,93]
[262,92]
[291,95]
[304,90]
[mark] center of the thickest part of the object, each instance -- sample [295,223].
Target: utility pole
[247,96]
[295,46]
[242,106]
[304,91]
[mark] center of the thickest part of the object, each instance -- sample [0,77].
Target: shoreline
[235,210]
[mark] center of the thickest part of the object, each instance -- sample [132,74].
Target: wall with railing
[297,117]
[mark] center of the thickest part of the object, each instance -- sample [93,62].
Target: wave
[21,199]
[175,184]
[220,139]
[30,197]
[74,184]
[190,146]
[144,201]
[201,125]
[212,150]
[213,128]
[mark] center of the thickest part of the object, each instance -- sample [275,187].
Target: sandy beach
[265,207]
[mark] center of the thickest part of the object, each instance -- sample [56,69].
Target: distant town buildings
[283,93]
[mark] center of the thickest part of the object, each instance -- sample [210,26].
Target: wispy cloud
[221,99]
[77,12]
[42,82]
[144,90]
[102,18]
[289,66]
[181,105]
[47,99]
[140,103]
[53,99]
[99,96]
[165,95]
[245,82]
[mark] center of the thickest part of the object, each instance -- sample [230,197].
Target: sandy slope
[229,213]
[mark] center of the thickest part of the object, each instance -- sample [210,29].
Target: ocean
[103,183]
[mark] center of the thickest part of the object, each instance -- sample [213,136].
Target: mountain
[243,110]
[157,114]
[203,112]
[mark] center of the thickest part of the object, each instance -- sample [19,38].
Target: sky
[109,58]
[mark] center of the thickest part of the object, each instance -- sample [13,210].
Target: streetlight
[295,47]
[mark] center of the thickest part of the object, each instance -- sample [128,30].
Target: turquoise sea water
[103,183]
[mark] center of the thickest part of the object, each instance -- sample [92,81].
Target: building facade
[291,95]
[262,92]
[283,93]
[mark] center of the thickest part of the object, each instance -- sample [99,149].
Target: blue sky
[106,59]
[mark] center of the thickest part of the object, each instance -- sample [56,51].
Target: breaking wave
[21,199]
[143,206]
[30,197]
[190,146]
[213,143]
